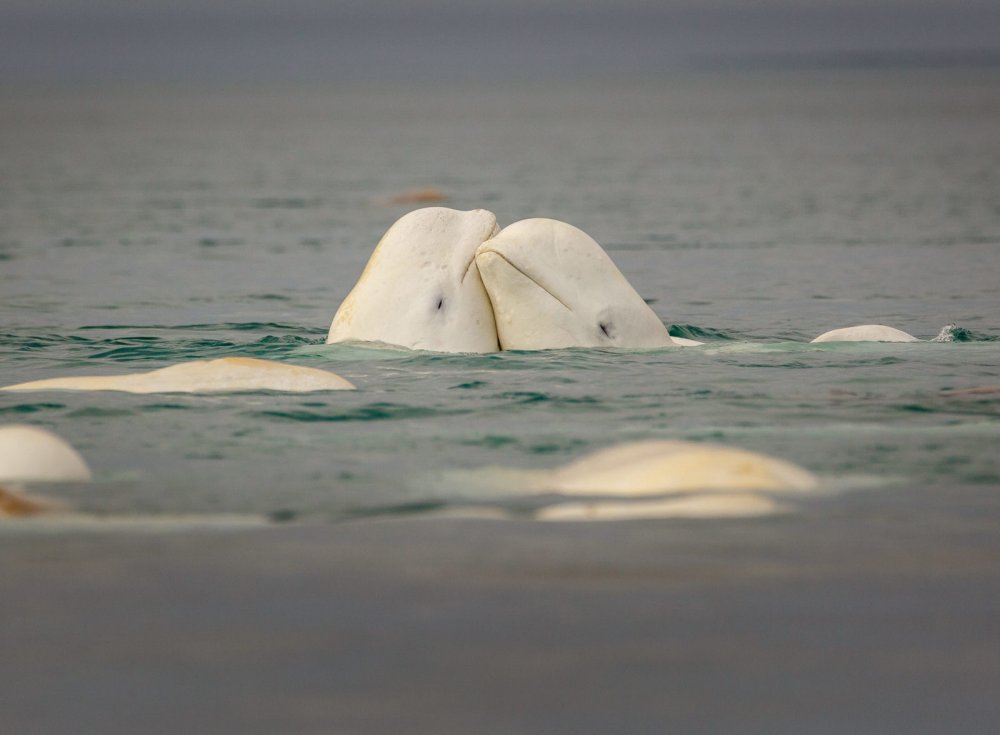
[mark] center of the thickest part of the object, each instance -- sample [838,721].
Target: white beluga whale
[421,288]
[224,375]
[29,454]
[649,479]
[866,333]
[657,467]
[692,480]
[551,285]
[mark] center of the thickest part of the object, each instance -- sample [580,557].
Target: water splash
[954,333]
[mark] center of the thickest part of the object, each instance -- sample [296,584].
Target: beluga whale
[551,285]
[692,480]
[32,454]
[29,454]
[223,375]
[866,333]
[421,288]
[653,479]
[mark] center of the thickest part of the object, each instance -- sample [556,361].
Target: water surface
[142,227]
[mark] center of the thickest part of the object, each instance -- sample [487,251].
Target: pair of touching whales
[455,282]
[452,281]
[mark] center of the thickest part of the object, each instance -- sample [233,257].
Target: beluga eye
[606,327]
[440,303]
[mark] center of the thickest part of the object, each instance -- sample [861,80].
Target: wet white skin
[421,288]
[31,454]
[866,333]
[227,374]
[551,286]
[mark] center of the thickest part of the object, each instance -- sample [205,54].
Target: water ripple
[371,412]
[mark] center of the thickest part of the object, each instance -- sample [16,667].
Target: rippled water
[142,228]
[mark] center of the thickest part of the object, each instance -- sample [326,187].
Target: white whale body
[648,479]
[866,333]
[659,467]
[32,454]
[693,481]
[421,289]
[551,285]
[226,374]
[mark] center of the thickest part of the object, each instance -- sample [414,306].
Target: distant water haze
[210,41]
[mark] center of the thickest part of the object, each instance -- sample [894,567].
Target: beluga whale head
[421,288]
[552,285]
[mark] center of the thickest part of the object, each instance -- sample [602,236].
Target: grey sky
[61,41]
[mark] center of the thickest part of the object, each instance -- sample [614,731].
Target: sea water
[144,227]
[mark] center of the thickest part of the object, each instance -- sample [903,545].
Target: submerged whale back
[866,333]
[658,467]
[224,375]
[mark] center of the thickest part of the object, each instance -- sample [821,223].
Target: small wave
[915,408]
[95,412]
[159,343]
[370,412]
[955,333]
[21,408]
[525,398]
[135,352]
[37,342]
[214,327]
[355,351]
[691,331]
